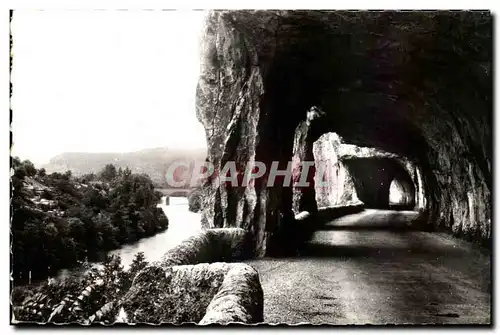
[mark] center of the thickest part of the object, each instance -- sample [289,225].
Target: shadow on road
[319,250]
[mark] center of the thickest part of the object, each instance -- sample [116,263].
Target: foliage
[59,220]
[76,299]
[195,197]
[108,173]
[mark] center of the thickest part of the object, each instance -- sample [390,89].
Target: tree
[67,175]
[88,177]
[83,220]
[15,162]
[138,263]
[29,168]
[114,276]
[78,233]
[75,299]
[93,198]
[42,173]
[108,173]
[195,199]
[105,229]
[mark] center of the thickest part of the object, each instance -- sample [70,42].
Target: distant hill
[153,162]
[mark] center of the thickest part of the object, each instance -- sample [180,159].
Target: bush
[77,299]
[195,197]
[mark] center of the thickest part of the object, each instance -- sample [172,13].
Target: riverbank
[182,224]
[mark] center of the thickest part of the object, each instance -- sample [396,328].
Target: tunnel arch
[401,194]
[336,174]
[380,82]
[373,177]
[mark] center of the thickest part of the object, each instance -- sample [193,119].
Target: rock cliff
[338,187]
[415,84]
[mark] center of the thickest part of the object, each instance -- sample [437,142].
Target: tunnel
[349,175]
[373,178]
[403,82]
[401,194]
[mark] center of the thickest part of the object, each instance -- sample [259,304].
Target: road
[366,268]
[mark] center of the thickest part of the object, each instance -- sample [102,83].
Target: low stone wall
[325,214]
[195,282]
[211,245]
[239,299]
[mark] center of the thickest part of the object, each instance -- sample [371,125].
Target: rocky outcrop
[173,295]
[197,282]
[201,293]
[335,186]
[239,299]
[386,80]
[304,198]
[340,181]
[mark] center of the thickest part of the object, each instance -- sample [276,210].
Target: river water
[181,225]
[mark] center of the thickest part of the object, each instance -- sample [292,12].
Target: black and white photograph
[251,167]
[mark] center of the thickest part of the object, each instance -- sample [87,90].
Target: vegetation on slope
[58,220]
[83,299]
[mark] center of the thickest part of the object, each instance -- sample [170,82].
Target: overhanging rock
[378,77]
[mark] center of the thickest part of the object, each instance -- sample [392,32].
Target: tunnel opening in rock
[396,193]
[349,175]
[379,81]
[401,194]
[373,177]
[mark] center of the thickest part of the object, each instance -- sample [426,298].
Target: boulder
[206,293]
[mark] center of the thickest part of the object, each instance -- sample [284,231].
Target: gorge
[394,112]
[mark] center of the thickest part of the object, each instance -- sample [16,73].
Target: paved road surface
[365,268]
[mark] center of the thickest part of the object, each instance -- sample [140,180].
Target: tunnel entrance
[375,177]
[371,181]
[401,194]
[381,83]
[396,193]
[349,175]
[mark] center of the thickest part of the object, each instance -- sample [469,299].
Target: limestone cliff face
[335,186]
[462,181]
[230,104]
[304,198]
[414,84]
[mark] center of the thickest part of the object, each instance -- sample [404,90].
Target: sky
[104,81]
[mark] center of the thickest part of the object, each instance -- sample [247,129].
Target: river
[181,224]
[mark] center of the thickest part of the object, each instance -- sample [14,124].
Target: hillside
[59,220]
[153,162]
